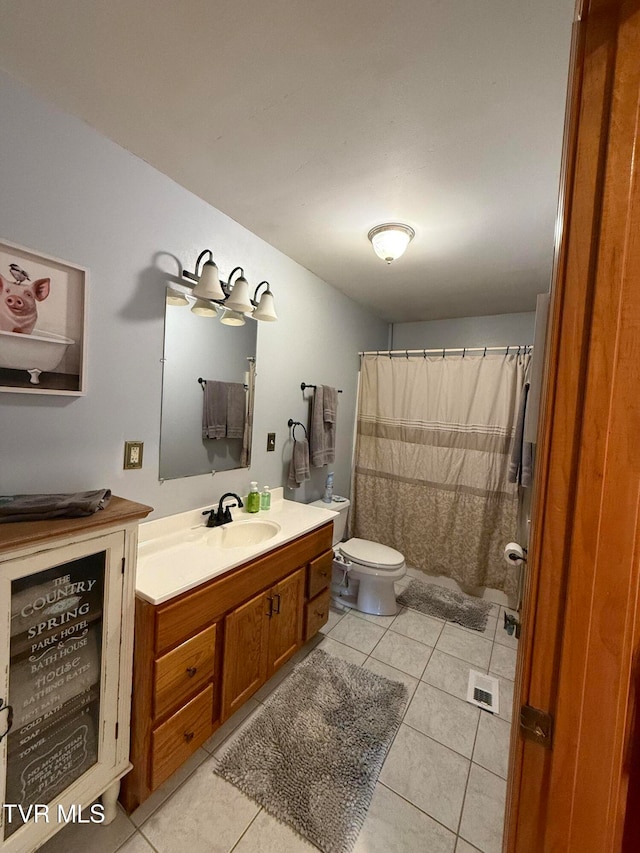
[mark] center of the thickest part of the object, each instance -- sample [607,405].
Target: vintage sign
[54,680]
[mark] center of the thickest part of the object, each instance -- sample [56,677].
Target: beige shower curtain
[434,437]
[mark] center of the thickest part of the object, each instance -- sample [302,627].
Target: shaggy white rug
[446,604]
[312,755]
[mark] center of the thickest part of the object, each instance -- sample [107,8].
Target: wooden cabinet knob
[191,671]
[188,736]
[319,613]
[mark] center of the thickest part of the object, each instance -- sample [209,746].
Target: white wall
[492,330]
[68,192]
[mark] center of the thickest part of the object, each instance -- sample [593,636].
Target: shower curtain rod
[444,350]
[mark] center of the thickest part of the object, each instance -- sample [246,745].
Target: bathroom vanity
[218,612]
[66,642]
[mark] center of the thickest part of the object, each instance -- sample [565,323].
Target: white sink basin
[240,534]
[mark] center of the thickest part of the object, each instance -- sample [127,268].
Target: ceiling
[310,122]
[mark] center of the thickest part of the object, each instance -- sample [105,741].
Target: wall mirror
[197,347]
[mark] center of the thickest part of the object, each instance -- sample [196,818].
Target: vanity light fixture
[231,318]
[232,296]
[203,308]
[175,297]
[390,240]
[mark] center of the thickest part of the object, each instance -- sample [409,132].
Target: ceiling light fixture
[233,297]
[390,240]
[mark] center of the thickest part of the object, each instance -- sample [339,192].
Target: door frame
[580,619]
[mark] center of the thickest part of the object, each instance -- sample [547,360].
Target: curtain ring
[485,352]
[507,352]
[464,349]
[424,353]
[406,352]
[443,352]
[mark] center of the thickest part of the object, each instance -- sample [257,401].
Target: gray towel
[299,464]
[321,433]
[329,404]
[214,409]
[42,507]
[520,465]
[236,403]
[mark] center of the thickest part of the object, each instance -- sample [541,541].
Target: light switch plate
[271,441]
[133,454]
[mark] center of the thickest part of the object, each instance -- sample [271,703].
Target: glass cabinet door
[60,639]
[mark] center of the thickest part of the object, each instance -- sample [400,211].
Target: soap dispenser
[265,498]
[253,498]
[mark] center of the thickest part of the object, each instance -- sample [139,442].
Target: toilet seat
[362,552]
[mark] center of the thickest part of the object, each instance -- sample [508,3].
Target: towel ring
[293,424]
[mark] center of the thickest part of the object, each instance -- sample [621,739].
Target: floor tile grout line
[127,839]
[175,791]
[247,827]
[466,786]
[445,745]
[422,811]
[153,847]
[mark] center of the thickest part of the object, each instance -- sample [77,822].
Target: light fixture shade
[208,286]
[175,297]
[239,299]
[231,318]
[391,240]
[266,310]
[203,309]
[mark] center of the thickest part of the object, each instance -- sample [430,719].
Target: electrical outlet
[271,441]
[133,454]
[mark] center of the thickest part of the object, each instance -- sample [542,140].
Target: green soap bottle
[265,498]
[253,498]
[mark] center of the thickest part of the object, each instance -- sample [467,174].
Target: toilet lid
[372,554]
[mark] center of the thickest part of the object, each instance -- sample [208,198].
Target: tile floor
[442,786]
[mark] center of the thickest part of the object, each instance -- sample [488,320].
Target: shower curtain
[434,438]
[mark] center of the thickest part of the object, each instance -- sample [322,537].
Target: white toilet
[363,572]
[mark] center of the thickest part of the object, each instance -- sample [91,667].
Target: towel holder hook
[293,424]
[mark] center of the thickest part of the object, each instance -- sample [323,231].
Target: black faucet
[222,515]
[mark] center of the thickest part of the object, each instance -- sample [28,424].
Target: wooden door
[285,628]
[246,644]
[581,631]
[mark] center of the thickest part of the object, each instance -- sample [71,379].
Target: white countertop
[178,553]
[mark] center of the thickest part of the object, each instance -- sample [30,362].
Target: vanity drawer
[316,613]
[319,573]
[184,670]
[174,741]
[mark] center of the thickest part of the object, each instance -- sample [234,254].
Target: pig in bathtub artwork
[39,298]
[18,309]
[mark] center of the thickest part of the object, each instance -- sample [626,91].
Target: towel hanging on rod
[304,385]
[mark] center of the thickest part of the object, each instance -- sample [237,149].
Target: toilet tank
[341,506]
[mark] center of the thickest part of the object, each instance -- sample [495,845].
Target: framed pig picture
[43,306]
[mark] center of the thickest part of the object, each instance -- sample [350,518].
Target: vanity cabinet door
[285,625]
[246,645]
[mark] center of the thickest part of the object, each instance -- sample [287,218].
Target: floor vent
[484,691]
